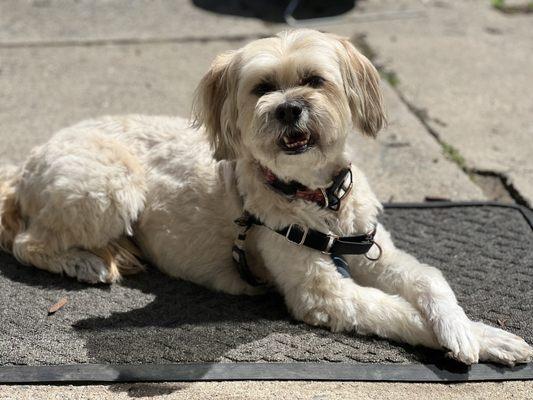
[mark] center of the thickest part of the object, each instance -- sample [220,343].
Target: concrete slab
[405,163]
[275,391]
[47,88]
[60,64]
[467,67]
[40,21]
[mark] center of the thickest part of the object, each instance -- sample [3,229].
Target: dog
[267,149]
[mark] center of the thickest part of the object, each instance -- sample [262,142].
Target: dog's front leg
[316,293]
[397,272]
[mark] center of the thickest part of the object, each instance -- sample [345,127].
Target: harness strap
[332,245]
[239,253]
[325,243]
[328,244]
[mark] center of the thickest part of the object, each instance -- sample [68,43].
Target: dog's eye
[313,81]
[263,88]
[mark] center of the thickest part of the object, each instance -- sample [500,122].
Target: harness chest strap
[331,198]
[332,245]
[328,244]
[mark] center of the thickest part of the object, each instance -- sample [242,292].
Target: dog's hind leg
[11,222]
[101,265]
[79,198]
[77,263]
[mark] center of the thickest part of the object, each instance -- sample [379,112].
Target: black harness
[329,244]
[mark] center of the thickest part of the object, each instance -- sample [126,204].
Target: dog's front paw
[499,346]
[454,333]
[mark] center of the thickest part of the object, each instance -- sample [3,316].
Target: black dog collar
[329,197]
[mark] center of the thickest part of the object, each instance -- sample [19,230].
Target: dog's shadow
[151,318]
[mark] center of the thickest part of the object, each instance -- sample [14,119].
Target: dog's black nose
[289,112]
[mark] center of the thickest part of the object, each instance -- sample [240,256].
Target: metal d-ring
[379,255]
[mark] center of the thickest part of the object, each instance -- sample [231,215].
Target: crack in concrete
[491,189]
[495,185]
[499,179]
[131,41]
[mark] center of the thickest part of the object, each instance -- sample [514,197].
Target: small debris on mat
[502,322]
[57,306]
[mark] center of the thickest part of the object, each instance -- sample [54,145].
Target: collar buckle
[339,189]
[331,240]
[329,198]
[293,228]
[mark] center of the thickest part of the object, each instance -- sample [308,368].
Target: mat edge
[304,371]
[526,212]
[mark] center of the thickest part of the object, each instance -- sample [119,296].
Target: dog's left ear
[361,83]
[215,106]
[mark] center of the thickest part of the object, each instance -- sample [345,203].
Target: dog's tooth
[298,143]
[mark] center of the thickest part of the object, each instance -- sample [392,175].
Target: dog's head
[289,101]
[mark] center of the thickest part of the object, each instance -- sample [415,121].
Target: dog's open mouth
[296,142]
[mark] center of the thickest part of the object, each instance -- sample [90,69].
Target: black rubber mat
[153,328]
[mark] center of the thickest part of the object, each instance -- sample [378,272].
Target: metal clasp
[379,254]
[305,230]
[331,240]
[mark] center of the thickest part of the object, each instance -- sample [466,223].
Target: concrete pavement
[462,65]
[466,70]
[405,163]
[60,22]
[64,64]
[276,391]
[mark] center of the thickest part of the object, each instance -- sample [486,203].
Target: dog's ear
[215,106]
[361,83]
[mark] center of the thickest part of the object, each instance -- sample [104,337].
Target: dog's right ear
[215,106]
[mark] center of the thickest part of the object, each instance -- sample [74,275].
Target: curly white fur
[156,178]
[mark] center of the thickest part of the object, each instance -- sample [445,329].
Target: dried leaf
[502,322]
[57,306]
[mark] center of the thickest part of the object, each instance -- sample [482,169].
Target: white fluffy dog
[277,114]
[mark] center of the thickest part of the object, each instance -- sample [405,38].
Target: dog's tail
[11,221]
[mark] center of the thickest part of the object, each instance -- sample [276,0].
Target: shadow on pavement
[273,10]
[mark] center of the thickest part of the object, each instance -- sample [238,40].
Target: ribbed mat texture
[486,253]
